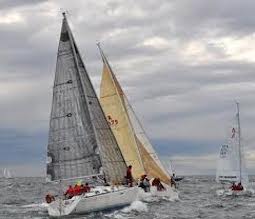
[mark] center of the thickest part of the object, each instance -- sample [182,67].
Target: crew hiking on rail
[237,187]
[76,190]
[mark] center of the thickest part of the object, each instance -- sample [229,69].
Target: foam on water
[199,198]
[135,206]
[39,205]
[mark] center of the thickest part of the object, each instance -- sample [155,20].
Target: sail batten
[81,142]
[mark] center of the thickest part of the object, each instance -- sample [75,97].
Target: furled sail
[112,101]
[81,143]
[231,162]
[126,127]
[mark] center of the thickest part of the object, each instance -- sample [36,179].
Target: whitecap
[36,205]
[136,206]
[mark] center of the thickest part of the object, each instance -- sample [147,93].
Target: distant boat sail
[81,143]
[7,173]
[131,137]
[231,162]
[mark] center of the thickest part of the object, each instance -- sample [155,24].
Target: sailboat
[7,173]
[81,145]
[231,163]
[130,135]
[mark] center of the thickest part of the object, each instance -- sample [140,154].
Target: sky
[182,64]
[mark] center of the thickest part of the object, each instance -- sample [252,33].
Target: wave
[35,205]
[136,206]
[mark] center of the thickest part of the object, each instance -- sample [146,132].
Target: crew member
[173,183]
[69,192]
[144,183]
[129,177]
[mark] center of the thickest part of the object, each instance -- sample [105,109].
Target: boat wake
[37,205]
[138,206]
[229,192]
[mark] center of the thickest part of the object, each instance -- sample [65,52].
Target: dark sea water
[23,198]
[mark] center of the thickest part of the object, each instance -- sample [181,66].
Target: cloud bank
[181,63]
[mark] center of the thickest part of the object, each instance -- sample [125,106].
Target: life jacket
[77,190]
[70,192]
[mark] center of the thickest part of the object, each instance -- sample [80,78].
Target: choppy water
[23,198]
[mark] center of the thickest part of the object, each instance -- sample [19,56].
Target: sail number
[223,151]
[112,121]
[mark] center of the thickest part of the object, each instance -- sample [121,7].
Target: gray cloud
[11,4]
[181,63]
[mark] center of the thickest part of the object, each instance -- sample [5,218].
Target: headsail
[231,163]
[112,101]
[81,142]
[125,123]
[151,162]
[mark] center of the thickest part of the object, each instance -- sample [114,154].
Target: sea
[199,197]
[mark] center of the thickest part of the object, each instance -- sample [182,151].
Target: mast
[239,141]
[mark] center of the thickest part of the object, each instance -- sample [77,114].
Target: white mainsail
[231,162]
[6,173]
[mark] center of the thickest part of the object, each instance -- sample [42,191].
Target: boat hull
[93,202]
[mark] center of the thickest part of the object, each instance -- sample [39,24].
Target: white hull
[99,199]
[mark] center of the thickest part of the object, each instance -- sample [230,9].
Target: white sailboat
[7,173]
[231,163]
[130,135]
[81,144]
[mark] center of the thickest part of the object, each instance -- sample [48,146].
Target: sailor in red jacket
[129,176]
[69,192]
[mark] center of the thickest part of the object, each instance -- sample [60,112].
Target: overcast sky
[181,63]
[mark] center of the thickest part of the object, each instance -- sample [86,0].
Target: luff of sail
[112,101]
[81,142]
[119,112]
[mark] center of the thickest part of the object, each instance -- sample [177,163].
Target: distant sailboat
[7,173]
[133,142]
[231,163]
[81,144]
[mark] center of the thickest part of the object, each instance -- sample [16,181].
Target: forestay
[81,142]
